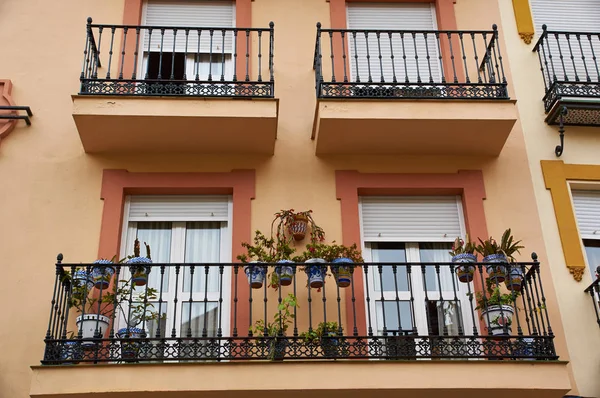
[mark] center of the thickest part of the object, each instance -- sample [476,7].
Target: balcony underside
[415,127]
[348,379]
[120,124]
[581,111]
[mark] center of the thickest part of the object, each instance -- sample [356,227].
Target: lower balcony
[401,327]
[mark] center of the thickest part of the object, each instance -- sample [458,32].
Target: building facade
[188,124]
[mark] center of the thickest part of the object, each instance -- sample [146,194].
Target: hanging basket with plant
[463,253]
[295,225]
[139,266]
[499,255]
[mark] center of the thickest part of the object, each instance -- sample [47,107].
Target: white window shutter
[587,210]
[571,16]
[189,13]
[393,16]
[178,208]
[410,218]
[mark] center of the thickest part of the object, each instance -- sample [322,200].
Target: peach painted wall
[51,196]
[581,147]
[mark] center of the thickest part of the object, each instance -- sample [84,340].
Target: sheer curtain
[448,310]
[202,245]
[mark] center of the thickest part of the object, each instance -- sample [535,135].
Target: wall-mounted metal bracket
[561,131]
[17,116]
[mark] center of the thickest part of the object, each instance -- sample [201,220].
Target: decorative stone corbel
[524,20]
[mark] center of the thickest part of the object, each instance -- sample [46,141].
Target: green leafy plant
[323,329]
[282,319]
[263,249]
[507,246]
[463,246]
[495,296]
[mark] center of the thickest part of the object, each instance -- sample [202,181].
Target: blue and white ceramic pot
[284,272]
[129,349]
[89,324]
[71,353]
[514,278]
[498,319]
[342,271]
[139,270]
[316,272]
[81,278]
[496,272]
[465,272]
[102,273]
[255,273]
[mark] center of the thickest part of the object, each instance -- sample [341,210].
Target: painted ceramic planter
[498,319]
[277,348]
[330,346]
[285,273]
[298,227]
[342,273]
[102,273]
[89,323]
[496,272]
[514,278]
[465,272]
[82,278]
[526,348]
[139,270]
[316,272]
[255,274]
[130,349]
[71,353]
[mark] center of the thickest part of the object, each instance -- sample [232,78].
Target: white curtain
[592,251]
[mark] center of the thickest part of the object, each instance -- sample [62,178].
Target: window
[587,212]
[205,55]
[423,300]
[205,239]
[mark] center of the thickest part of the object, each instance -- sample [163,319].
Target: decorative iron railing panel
[178,61]
[208,312]
[401,64]
[569,65]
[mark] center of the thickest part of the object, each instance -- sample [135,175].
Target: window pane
[203,317]
[158,236]
[202,245]
[398,316]
[432,253]
[592,251]
[389,252]
[444,313]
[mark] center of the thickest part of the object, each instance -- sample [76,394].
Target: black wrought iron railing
[178,61]
[352,63]
[227,312]
[569,64]
[594,291]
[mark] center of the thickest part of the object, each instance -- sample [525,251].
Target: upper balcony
[410,92]
[226,318]
[177,89]
[570,70]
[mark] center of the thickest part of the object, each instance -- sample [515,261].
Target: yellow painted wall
[50,188]
[581,147]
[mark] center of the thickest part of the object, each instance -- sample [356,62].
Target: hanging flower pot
[298,226]
[82,278]
[102,273]
[342,273]
[129,349]
[139,270]
[255,274]
[514,278]
[465,272]
[498,319]
[316,272]
[284,273]
[496,272]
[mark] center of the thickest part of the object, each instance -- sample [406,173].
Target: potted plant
[314,262]
[282,274]
[295,225]
[261,252]
[138,265]
[496,308]
[277,344]
[343,258]
[326,335]
[495,253]
[464,252]
[102,273]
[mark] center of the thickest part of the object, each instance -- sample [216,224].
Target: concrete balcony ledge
[348,379]
[113,124]
[413,126]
